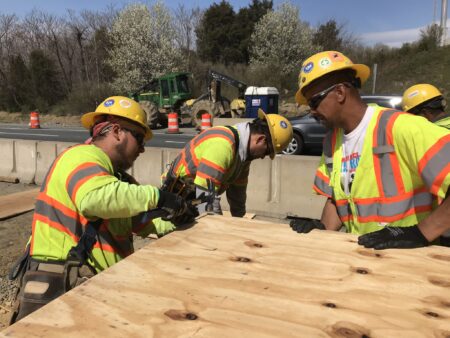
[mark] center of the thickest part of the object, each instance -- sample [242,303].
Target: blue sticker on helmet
[308,67]
[108,103]
[283,124]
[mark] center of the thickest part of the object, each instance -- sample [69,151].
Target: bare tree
[186,21]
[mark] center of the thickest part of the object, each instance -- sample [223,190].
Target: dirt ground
[44,119]
[14,234]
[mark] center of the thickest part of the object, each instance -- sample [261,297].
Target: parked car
[309,133]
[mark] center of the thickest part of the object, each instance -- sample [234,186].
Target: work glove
[305,225]
[394,237]
[173,204]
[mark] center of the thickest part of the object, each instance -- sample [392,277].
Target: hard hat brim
[362,72]
[87,120]
[262,116]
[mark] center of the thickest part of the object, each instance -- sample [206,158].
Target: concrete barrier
[276,188]
[7,163]
[46,154]
[222,121]
[25,154]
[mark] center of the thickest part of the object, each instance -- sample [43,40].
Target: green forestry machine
[163,95]
[171,93]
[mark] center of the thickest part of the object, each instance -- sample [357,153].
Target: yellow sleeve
[425,148]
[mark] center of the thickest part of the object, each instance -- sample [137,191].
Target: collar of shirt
[244,135]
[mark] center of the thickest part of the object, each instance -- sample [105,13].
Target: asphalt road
[78,135]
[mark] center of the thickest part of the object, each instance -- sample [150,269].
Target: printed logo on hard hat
[125,103]
[108,103]
[283,124]
[336,56]
[414,93]
[325,62]
[308,67]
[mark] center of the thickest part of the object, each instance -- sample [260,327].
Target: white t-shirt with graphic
[351,150]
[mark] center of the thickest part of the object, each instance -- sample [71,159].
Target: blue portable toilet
[265,98]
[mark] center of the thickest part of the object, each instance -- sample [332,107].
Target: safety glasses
[139,137]
[315,100]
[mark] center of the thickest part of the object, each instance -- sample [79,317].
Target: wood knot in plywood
[180,315]
[330,305]
[360,270]
[240,259]
[254,244]
[440,257]
[439,281]
[348,330]
[369,253]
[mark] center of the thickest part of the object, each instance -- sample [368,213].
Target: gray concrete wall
[276,188]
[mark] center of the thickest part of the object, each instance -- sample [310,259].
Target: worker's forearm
[437,223]
[119,200]
[330,217]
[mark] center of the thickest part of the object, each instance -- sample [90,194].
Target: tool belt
[44,281]
[41,282]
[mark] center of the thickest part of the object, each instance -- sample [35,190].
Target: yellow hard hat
[418,94]
[324,63]
[280,131]
[119,106]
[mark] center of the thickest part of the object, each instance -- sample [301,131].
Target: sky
[391,22]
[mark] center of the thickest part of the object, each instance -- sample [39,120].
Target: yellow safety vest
[213,155]
[58,223]
[402,172]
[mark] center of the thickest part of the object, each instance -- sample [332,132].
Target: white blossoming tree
[143,41]
[280,39]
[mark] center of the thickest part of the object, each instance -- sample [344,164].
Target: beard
[122,161]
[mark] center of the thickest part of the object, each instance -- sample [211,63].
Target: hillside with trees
[68,64]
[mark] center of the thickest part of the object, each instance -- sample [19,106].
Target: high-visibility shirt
[213,154]
[403,170]
[444,121]
[81,187]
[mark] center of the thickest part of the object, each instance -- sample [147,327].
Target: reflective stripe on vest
[321,182]
[80,175]
[436,160]
[387,209]
[385,161]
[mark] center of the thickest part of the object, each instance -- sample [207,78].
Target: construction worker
[427,101]
[383,171]
[222,155]
[88,207]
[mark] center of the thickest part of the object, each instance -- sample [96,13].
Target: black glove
[172,203]
[305,225]
[394,237]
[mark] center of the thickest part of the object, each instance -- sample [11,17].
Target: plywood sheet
[231,277]
[17,203]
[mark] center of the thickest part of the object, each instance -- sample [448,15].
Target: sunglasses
[315,100]
[139,137]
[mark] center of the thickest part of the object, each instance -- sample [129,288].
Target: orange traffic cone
[206,121]
[172,124]
[34,120]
